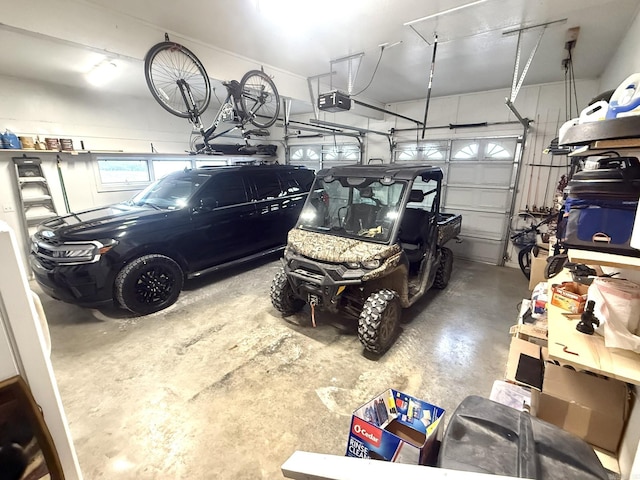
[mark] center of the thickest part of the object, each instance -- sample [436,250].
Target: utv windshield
[171,192]
[361,208]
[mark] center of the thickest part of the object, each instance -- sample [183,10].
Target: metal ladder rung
[32,180]
[40,218]
[33,194]
[37,199]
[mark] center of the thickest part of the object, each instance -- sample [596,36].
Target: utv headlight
[353,264]
[371,264]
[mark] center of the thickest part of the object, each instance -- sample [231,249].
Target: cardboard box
[533,333]
[396,427]
[593,408]
[525,364]
[538,265]
[511,395]
[571,296]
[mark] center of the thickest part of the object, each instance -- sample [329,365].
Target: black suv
[138,253]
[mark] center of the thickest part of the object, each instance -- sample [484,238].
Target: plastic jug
[594,112]
[626,99]
[10,140]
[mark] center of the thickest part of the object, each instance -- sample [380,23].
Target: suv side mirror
[206,204]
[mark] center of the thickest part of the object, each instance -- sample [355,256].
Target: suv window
[296,181]
[225,189]
[267,185]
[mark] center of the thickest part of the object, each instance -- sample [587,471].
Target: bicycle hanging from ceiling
[180,84]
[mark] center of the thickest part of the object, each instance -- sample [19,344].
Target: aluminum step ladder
[35,199]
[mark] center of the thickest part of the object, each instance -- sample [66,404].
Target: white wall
[99,119]
[626,60]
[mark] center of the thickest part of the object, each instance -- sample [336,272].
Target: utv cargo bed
[449,225]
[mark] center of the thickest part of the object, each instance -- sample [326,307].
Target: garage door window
[465,151]
[435,151]
[334,153]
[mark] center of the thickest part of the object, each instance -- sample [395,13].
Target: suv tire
[444,269]
[282,296]
[149,284]
[379,320]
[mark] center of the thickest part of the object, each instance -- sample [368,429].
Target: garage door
[479,178]
[318,157]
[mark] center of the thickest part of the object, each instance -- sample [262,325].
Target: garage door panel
[459,197]
[477,249]
[481,224]
[480,174]
[478,177]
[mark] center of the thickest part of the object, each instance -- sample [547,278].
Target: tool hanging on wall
[62,186]
[530,166]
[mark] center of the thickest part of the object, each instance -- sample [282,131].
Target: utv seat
[360,216]
[414,229]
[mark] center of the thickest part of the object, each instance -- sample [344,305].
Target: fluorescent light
[102,73]
[444,12]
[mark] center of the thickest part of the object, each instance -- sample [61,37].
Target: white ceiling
[473,53]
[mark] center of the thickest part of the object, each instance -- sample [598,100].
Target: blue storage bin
[601,225]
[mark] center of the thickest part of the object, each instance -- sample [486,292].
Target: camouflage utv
[369,242]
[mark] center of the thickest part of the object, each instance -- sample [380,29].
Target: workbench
[587,352]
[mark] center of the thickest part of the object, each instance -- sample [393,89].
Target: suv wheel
[379,321]
[282,296]
[148,284]
[444,268]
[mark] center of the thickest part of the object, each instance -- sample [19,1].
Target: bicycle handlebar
[534,227]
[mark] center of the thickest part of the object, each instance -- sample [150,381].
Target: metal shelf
[616,128]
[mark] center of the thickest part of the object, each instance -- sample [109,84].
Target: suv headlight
[72,253]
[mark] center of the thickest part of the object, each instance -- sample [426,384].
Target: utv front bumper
[322,282]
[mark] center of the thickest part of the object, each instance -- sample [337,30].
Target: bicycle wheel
[167,65]
[259,101]
[524,260]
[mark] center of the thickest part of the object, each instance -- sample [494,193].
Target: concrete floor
[220,386]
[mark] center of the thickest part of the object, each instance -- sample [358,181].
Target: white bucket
[566,126]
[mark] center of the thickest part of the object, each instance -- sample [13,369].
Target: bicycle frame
[229,105]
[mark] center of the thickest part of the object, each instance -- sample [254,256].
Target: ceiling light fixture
[102,73]
[444,12]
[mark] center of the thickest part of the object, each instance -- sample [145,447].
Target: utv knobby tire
[379,320]
[282,296]
[149,284]
[444,268]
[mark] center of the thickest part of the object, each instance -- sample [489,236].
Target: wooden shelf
[605,259]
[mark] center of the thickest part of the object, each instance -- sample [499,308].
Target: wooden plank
[317,466]
[608,461]
[587,352]
[615,144]
[606,259]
